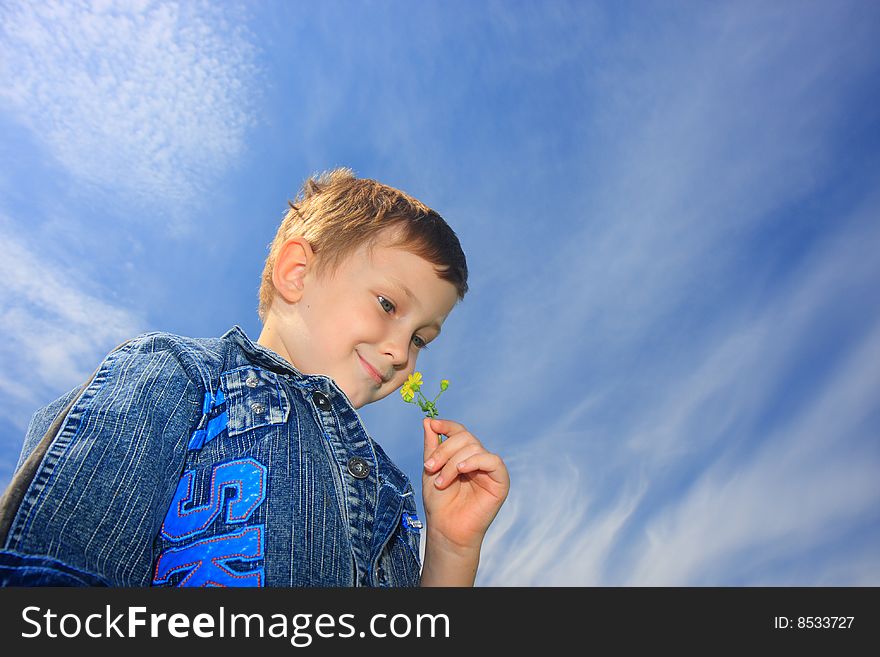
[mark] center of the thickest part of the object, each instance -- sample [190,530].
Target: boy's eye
[388,307]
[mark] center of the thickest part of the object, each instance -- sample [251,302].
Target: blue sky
[669,211]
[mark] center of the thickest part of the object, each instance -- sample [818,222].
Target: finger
[491,464]
[430,438]
[434,427]
[446,427]
[441,453]
[450,470]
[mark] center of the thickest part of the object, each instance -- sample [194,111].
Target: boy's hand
[462,488]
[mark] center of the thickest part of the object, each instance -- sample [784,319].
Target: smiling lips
[371,371]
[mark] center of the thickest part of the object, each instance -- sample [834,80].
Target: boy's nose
[398,349]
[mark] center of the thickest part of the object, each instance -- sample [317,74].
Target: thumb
[430,439]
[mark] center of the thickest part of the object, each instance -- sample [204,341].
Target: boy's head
[335,292]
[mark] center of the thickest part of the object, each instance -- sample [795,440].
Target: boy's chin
[365,399]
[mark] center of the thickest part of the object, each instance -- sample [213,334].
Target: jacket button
[251,381]
[258,408]
[321,400]
[358,468]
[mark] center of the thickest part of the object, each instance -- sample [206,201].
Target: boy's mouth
[371,371]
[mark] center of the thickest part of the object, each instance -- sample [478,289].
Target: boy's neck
[270,339]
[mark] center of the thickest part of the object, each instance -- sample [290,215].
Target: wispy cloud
[793,488]
[146,101]
[806,479]
[555,529]
[56,328]
[806,483]
[660,370]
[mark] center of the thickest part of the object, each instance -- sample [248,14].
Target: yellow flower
[409,389]
[414,381]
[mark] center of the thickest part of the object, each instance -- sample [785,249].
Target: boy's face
[358,319]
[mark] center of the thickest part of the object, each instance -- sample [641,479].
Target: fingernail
[438,481]
[429,463]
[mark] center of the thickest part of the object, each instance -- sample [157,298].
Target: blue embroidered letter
[206,559]
[238,488]
[245,478]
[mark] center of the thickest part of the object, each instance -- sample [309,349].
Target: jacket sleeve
[98,493]
[40,422]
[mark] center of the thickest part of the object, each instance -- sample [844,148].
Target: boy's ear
[288,276]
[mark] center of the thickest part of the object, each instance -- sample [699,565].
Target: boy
[224,462]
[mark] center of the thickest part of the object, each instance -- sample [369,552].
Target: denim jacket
[209,462]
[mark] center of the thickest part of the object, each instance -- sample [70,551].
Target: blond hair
[338,212]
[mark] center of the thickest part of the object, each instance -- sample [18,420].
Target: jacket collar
[260,354]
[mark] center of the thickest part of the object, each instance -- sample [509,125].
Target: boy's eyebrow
[412,297]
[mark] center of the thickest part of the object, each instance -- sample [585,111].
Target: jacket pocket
[254,399]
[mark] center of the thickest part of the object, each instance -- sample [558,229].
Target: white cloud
[588,505]
[714,136]
[147,100]
[56,329]
[554,529]
[706,149]
[804,485]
